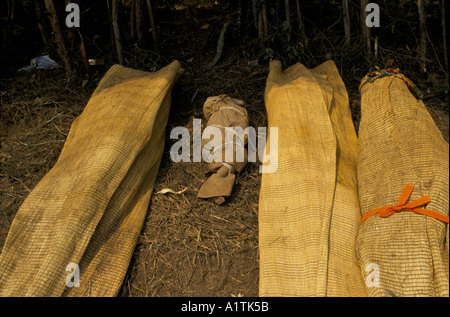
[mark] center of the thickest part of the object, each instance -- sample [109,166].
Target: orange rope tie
[411,206]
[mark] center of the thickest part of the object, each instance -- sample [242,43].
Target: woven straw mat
[399,144]
[88,210]
[308,209]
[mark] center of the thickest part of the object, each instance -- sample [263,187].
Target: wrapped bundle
[77,230]
[228,153]
[403,175]
[308,209]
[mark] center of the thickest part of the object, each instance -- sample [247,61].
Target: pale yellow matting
[400,144]
[308,210]
[89,209]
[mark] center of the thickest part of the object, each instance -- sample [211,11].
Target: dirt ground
[188,247]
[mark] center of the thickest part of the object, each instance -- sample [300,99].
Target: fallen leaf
[168,190]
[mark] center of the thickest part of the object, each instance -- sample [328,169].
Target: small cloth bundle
[228,155]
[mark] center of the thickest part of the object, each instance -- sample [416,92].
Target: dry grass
[37,111]
[193,247]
